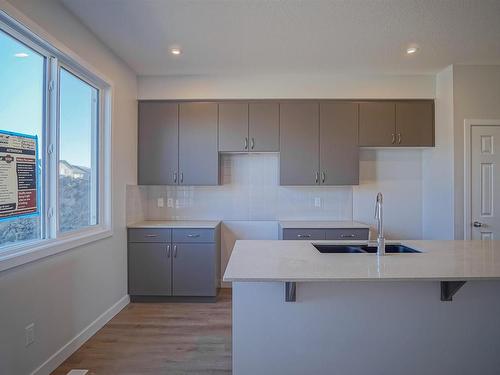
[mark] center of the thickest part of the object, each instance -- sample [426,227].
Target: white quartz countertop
[292,224]
[299,261]
[210,224]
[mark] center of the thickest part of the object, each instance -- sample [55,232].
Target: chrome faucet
[380,225]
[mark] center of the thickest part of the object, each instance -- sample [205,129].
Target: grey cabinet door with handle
[194,267]
[415,123]
[158,143]
[264,127]
[339,151]
[198,154]
[377,124]
[233,127]
[299,143]
[149,269]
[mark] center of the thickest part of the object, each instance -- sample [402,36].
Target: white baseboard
[76,342]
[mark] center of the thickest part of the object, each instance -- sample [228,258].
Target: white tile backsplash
[249,191]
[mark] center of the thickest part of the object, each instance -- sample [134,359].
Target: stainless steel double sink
[363,249]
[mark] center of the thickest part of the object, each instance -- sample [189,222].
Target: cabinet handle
[182,177]
[175,251]
[253,143]
[175,177]
[168,251]
[393,138]
[303,235]
[246,143]
[151,235]
[347,235]
[399,138]
[317,177]
[193,235]
[323,177]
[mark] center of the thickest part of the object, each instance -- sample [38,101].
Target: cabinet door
[339,151]
[264,126]
[233,126]
[377,126]
[415,123]
[198,155]
[299,143]
[158,143]
[194,267]
[149,269]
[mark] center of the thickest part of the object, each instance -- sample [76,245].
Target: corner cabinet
[403,123]
[173,262]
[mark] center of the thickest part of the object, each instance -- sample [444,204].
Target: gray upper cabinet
[264,126]
[339,151]
[158,143]
[299,143]
[233,126]
[415,123]
[377,123]
[198,154]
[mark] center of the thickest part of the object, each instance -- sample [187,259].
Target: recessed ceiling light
[21,54]
[175,51]
[411,50]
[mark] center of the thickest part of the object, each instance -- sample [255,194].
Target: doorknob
[477,224]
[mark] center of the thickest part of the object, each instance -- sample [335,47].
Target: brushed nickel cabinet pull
[246,143]
[399,138]
[323,177]
[168,251]
[347,236]
[182,177]
[393,138]
[253,143]
[175,251]
[151,235]
[317,177]
[196,235]
[303,235]
[175,177]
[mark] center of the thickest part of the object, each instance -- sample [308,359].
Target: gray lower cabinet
[194,267]
[316,234]
[173,262]
[150,269]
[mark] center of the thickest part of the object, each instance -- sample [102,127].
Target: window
[54,146]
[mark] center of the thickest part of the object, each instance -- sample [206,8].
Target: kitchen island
[298,311]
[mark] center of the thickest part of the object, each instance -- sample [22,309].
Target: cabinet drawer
[193,235]
[149,235]
[303,234]
[347,234]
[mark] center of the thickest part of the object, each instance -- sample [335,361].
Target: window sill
[45,248]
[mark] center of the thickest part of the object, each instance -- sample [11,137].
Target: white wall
[476,95]
[313,86]
[437,195]
[63,294]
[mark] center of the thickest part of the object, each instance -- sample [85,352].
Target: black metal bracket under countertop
[290,291]
[449,288]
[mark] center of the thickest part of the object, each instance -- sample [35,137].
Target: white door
[485,182]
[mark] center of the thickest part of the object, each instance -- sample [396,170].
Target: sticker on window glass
[18,175]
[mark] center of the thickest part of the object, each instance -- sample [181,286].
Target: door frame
[468,124]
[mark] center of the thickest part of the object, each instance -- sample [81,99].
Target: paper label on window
[18,175]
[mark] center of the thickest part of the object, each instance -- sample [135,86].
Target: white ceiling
[320,36]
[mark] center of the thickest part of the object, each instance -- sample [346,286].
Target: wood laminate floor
[160,338]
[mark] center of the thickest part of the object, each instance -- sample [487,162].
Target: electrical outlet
[170,202]
[29,331]
[160,203]
[317,202]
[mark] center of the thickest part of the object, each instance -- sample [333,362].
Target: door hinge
[51,85]
[50,149]
[50,212]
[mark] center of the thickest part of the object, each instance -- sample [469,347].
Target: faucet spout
[380,224]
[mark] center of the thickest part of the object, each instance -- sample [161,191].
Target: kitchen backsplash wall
[249,191]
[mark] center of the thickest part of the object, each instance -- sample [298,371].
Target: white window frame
[53,241]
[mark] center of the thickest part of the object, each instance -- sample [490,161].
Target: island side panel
[358,328]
